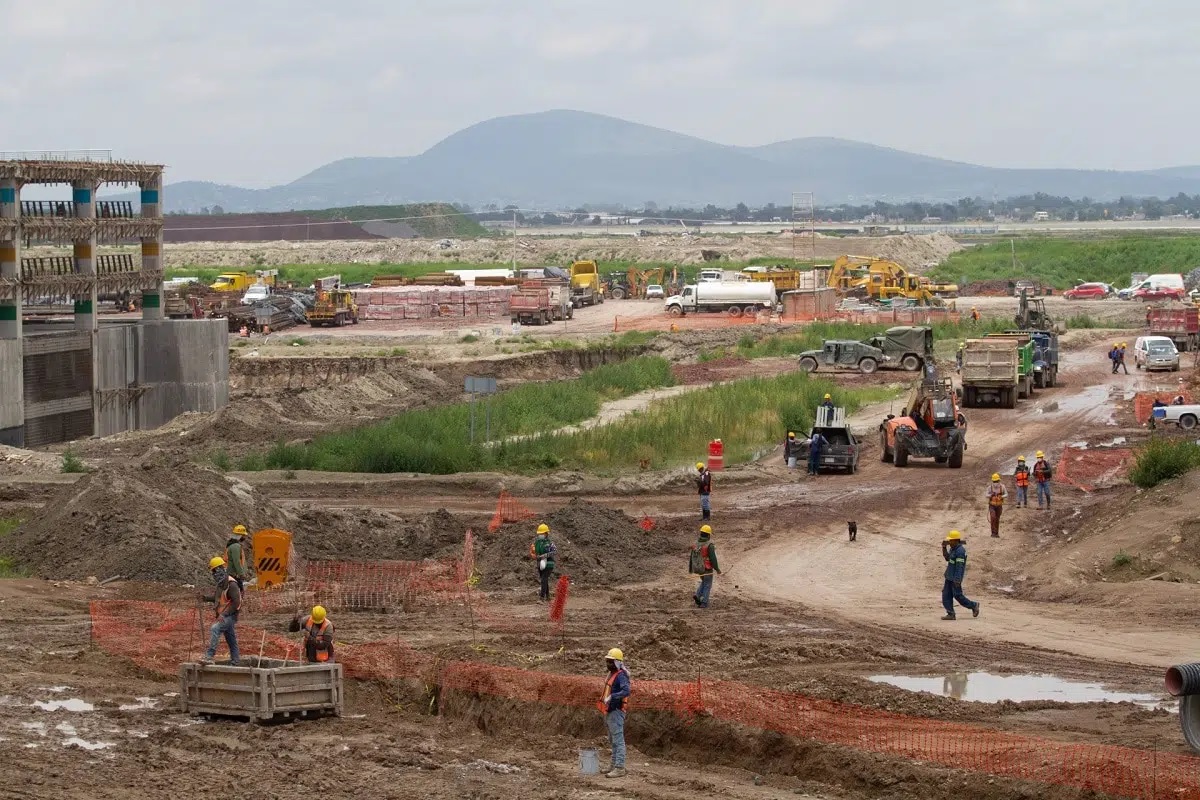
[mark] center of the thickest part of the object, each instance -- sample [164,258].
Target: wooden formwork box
[262,693]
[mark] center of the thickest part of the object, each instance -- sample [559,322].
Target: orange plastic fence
[159,638]
[1085,468]
[688,322]
[508,510]
[1143,402]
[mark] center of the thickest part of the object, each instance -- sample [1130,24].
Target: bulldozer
[930,426]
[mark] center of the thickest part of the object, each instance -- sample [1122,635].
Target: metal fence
[99,156]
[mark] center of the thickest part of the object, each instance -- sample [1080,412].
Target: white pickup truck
[1185,416]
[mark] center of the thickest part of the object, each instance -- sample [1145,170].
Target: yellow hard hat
[973,308]
[543,528]
[318,613]
[1020,458]
[706,529]
[615,654]
[791,433]
[953,536]
[828,396]
[1123,344]
[239,530]
[216,561]
[699,465]
[1116,344]
[995,476]
[1040,454]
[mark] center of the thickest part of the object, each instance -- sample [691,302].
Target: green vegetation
[747,415]
[470,338]
[9,524]
[8,567]
[221,460]
[71,462]
[436,440]
[1162,459]
[1063,263]
[1121,559]
[1080,321]
[431,220]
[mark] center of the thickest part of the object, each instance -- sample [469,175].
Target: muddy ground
[799,607]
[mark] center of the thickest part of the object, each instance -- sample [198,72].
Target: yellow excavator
[879,279]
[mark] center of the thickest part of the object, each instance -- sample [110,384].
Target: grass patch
[72,463]
[11,569]
[1079,321]
[9,524]
[470,338]
[1062,263]
[747,415]
[1162,459]
[437,440]
[221,460]
[1121,559]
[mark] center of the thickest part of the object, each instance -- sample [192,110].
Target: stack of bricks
[433,302]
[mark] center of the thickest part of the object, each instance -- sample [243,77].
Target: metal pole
[472,418]
[487,413]
[514,243]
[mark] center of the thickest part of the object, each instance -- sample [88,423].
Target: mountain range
[565,159]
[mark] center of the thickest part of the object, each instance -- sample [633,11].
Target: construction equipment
[931,426]
[241,281]
[1031,314]
[333,305]
[272,558]
[785,280]
[616,285]
[842,449]
[639,279]
[939,289]
[530,305]
[559,291]
[990,372]
[733,297]
[585,284]
[1045,357]
[1180,325]
[879,279]
[1025,359]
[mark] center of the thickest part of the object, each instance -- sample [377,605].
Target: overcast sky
[258,92]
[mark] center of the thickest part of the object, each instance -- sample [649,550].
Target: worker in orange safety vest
[1022,478]
[996,494]
[318,635]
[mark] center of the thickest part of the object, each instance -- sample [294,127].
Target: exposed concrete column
[152,299]
[12,380]
[10,259]
[84,195]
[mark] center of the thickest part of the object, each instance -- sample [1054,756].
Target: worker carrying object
[1042,473]
[228,602]
[1021,475]
[704,486]
[816,445]
[791,450]
[235,556]
[543,551]
[318,635]
[614,704]
[996,493]
[956,569]
[702,561]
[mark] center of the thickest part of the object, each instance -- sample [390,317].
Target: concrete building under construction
[66,373]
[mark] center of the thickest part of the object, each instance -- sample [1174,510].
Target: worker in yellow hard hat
[614,703]
[827,402]
[228,602]
[996,494]
[543,552]
[958,356]
[704,486]
[791,450]
[974,314]
[1021,477]
[703,562]
[1042,473]
[318,635]
[235,556]
[955,554]
[1121,358]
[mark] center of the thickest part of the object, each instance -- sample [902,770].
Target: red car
[1087,291]
[1158,293]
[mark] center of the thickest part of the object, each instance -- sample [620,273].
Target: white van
[1166,280]
[1155,352]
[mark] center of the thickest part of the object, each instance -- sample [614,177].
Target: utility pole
[514,247]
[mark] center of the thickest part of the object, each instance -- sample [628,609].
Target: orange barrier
[1085,468]
[508,510]
[1143,402]
[158,638]
[689,322]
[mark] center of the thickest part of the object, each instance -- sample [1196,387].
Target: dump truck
[561,306]
[1045,357]
[585,284]
[530,305]
[990,372]
[931,426]
[842,449]
[735,298]
[333,308]
[844,353]
[907,347]
[1180,325]
[1025,359]
[241,281]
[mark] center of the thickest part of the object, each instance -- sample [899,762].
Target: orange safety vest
[223,600]
[1022,476]
[1039,471]
[996,495]
[321,648]
[707,561]
[612,676]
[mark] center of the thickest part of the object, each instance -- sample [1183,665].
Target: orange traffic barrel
[716,455]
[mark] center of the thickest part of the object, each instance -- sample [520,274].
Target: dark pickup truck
[842,450]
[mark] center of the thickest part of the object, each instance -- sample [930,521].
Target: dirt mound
[15,461]
[365,535]
[596,545]
[161,520]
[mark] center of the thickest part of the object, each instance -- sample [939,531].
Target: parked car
[1087,291]
[255,294]
[655,292]
[1155,352]
[1149,293]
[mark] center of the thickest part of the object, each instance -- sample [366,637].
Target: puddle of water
[67,728]
[142,704]
[55,689]
[71,704]
[86,745]
[986,687]
[35,727]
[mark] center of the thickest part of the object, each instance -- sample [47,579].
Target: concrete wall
[150,373]
[12,403]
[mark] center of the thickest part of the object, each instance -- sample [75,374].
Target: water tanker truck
[734,298]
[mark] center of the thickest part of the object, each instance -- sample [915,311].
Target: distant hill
[563,159]
[431,220]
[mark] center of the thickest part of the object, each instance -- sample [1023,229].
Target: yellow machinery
[333,306]
[940,289]
[785,280]
[879,279]
[586,289]
[639,279]
[241,281]
[272,556]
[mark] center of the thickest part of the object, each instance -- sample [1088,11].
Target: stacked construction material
[433,302]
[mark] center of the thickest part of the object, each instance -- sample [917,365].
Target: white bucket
[589,761]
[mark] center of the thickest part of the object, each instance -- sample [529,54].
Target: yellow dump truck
[585,284]
[241,281]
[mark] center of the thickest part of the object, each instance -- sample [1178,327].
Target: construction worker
[543,551]
[1022,478]
[1042,473]
[614,703]
[791,450]
[704,486]
[974,314]
[1114,356]
[828,401]
[956,569]
[1121,358]
[996,493]
[318,635]
[958,356]
[235,556]
[815,445]
[704,563]
[228,602]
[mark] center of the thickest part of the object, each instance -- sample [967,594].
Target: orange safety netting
[1086,468]
[159,638]
[508,510]
[688,322]
[1143,402]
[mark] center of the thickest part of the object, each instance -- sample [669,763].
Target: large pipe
[1183,679]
